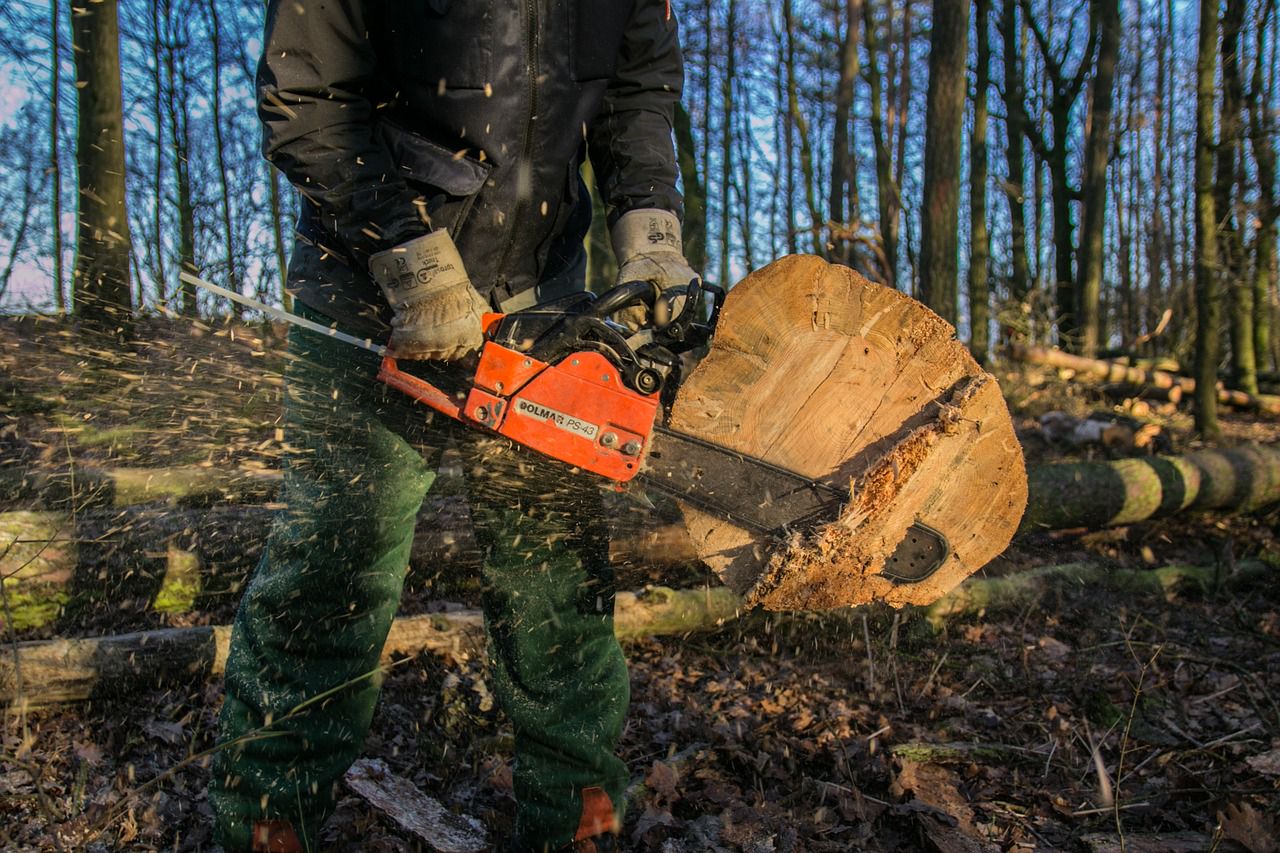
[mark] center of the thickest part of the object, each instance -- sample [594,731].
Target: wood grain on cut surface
[815,369]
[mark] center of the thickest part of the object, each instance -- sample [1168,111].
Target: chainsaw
[566,381]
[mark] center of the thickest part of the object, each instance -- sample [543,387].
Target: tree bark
[1208,309]
[726,139]
[1094,184]
[695,193]
[1227,190]
[55,158]
[231,260]
[1015,122]
[888,200]
[842,164]
[101,277]
[939,239]
[979,238]
[1262,141]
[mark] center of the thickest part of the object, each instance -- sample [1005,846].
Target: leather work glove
[648,247]
[437,311]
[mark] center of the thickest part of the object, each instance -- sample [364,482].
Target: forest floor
[1150,723]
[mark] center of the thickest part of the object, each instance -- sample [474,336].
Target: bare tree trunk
[179,124]
[939,240]
[55,161]
[277,235]
[1262,136]
[215,101]
[1227,200]
[158,269]
[789,122]
[1208,309]
[802,128]
[695,192]
[979,239]
[888,202]
[842,174]
[1015,122]
[726,147]
[101,278]
[1157,227]
[1094,185]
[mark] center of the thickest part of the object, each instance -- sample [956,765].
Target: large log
[1125,491]
[83,487]
[49,672]
[817,370]
[53,671]
[172,559]
[176,559]
[1112,372]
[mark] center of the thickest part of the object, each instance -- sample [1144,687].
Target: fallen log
[1016,591]
[1112,372]
[819,371]
[1126,391]
[84,487]
[48,672]
[1123,491]
[175,560]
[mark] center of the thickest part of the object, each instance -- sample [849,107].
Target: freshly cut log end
[816,369]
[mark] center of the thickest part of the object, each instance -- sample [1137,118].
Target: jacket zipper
[531,68]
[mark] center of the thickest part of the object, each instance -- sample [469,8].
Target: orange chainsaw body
[577,410]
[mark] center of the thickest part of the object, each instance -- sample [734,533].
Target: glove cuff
[646,231]
[418,269]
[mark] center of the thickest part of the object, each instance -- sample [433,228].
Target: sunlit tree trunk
[887,200]
[1227,201]
[726,140]
[234,274]
[1015,120]
[695,193]
[1208,309]
[55,160]
[179,125]
[1262,141]
[1098,141]
[101,277]
[939,238]
[842,176]
[979,239]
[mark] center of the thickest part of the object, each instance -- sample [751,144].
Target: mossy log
[175,560]
[49,672]
[817,370]
[1015,591]
[88,487]
[1123,491]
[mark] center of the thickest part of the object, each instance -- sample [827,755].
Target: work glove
[437,311]
[648,247]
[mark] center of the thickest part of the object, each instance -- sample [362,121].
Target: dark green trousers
[302,676]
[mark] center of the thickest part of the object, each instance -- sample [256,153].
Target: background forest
[1057,147]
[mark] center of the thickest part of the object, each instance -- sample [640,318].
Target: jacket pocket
[445,43]
[596,28]
[449,183]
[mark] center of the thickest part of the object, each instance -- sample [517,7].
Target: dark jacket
[484,109]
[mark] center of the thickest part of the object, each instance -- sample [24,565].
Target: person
[436,146]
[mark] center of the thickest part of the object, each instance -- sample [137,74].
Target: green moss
[33,606]
[181,583]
